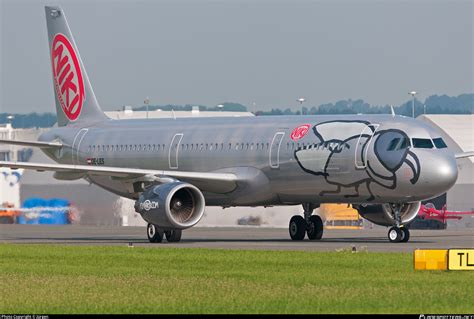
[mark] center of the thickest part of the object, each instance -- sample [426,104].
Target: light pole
[220,107]
[412,93]
[147,101]
[301,100]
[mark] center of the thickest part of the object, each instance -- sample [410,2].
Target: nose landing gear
[312,225]
[398,234]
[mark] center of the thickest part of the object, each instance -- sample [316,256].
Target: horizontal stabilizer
[32,143]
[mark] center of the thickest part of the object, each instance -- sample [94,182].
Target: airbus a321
[173,168]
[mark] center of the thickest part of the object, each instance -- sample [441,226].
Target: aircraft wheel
[406,235]
[315,230]
[174,235]
[395,234]
[154,234]
[297,227]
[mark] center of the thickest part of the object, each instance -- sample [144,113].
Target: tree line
[435,104]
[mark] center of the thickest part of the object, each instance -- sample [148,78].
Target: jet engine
[173,205]
[383,214]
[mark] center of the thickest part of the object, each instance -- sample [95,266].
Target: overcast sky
[267,52]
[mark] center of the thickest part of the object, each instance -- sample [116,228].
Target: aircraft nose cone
[446,173]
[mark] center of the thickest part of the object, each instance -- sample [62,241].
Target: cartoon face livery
[377,156]
[391,148]
[67,76]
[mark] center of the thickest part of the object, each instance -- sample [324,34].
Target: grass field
[78,279]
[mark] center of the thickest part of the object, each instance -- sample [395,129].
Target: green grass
[78,279]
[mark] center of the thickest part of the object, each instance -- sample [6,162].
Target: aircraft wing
[213,182]
[32,143]
[463,155]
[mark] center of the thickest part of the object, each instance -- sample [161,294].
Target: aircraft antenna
[393,111]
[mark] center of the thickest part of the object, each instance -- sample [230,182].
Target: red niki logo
[300,132]
[67,76]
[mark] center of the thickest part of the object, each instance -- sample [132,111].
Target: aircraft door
[363,144]
[274,155]
[76,146]
[174,151]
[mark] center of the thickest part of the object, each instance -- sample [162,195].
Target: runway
[236,238]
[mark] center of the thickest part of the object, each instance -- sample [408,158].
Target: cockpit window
[422,143]
[398,144]
[439,143]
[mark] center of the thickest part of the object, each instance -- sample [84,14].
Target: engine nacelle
[381,214]
[174,205]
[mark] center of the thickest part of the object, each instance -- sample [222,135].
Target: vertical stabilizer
[75,99]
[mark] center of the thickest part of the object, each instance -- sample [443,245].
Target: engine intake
[174,205]
[381,214]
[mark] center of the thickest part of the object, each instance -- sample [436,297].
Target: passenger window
[422,143]
[439,143]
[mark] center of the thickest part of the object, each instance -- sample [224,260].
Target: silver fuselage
[341,159]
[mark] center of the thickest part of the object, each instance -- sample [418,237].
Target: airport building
[99,207]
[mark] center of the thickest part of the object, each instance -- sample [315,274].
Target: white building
[458,132]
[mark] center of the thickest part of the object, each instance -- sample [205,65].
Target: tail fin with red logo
[75,99]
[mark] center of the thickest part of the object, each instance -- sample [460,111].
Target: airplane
[384,165]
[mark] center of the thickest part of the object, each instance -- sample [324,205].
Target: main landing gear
[156,234]
[312,225]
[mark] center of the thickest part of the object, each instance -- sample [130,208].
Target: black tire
[406,235]
[395,234]
[315,229]
[174,235]
[297,227]
[155,235]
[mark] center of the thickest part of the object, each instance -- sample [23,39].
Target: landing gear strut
[312,225]
[156,234]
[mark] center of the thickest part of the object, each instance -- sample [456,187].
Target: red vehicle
[428,211]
